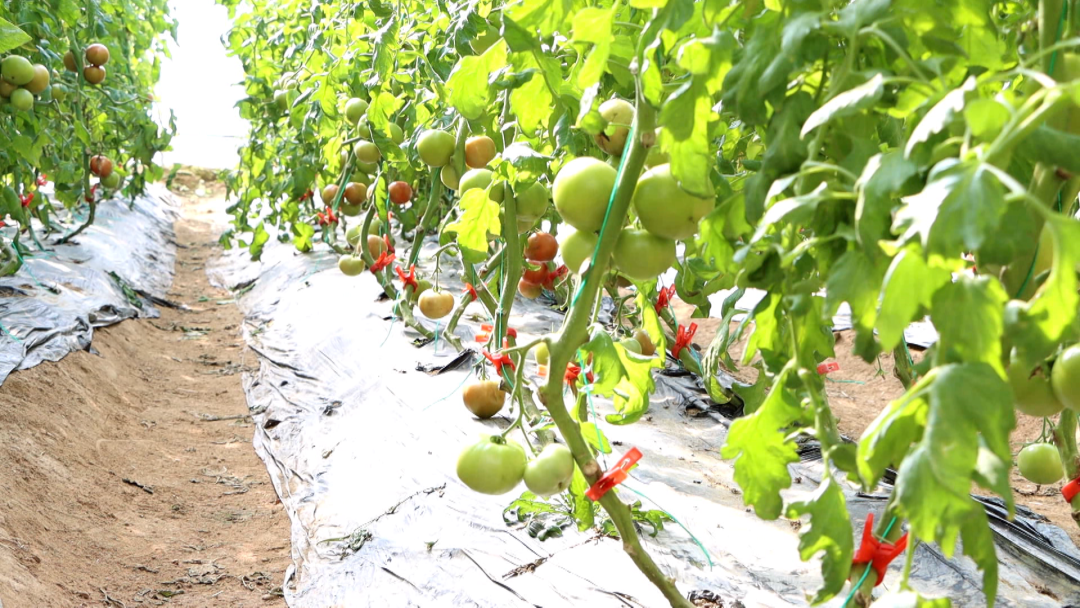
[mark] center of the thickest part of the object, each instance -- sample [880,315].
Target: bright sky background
[200,84]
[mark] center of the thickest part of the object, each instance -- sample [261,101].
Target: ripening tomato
[479,151]
[69,62]
[541,247]
[484,399]
[436,304]
[6,89]
[329,193]
[647,347]
[1040,463]
[493,465]
[529,290]
[581,192]
[400,193]
[551,471]
[537,275]
[97,54]
[40,81]
[355,193]
[619,114]
[94,74]
[375,245]
[101,166]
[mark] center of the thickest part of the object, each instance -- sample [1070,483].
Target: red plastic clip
[1070,490]
[42,179]
[408,279]
[558,273]
[305,196]
[499,361]
[386,241]
[663,299]
[469,289]
[573,372]
[614,476]
[327,218]
[876,553]
[26,199]
[825,368]
[683,338]
[384,260]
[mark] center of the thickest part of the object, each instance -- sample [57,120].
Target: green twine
[866,572]
[599,441]
[9,334]
[389,331]
[453,392]
[607,214]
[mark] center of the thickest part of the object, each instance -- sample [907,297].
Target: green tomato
[353,235]
[1032,393]
[1040,463]
[59,92]
[450,178]
[355,109]
[576,248]
[367,152]
[350,210]
[281,98]
[619,113]
[492,466]
[422,285]
[551,471]
[665,209]
[532,202]
[1065,378]
[643,256]
[22,100]
[656,157]
[631,345]
[17,70]
[351,265]
[581,192]
[481,178]
[542,354]
[485,40]
[396,134]
[111,181]
[435,147]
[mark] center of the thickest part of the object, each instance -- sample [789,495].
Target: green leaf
[1035,328]
[11,37]
[258,240]
[531,102]
[479,218]
[582,506]
[593,25]
[595,437]
[547,16]
[624,376]
[688,112]
[986,117]
[829,533]
[762,451]
[960,207]
[468,84]
[967,403]
[939,117]
[855,279]
[967,314]
[847,103]
[909,286]
[882,179]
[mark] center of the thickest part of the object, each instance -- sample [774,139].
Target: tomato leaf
[829,533]
[592,434]
[762,450]
[847,103]
[967,314]
[468,84]
[909,286]
[479,217]
[11,37]
[939,117]
[593,26]
[624,376]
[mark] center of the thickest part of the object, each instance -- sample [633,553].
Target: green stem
[574,333]
[1065,438]
[429,211]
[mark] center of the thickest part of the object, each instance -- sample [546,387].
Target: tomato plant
[55,122]
[907,159]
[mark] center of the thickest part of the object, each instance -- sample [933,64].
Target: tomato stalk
[574,333]
[1065,438]
[430,208]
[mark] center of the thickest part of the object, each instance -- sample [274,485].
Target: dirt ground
[129,475]
[859,391]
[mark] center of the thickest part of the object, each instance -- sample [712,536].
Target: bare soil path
[127,477]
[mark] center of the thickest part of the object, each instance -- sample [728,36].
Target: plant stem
[1065,438]
[574,333]
[429,210]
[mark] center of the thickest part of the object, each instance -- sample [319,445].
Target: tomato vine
[905,159]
